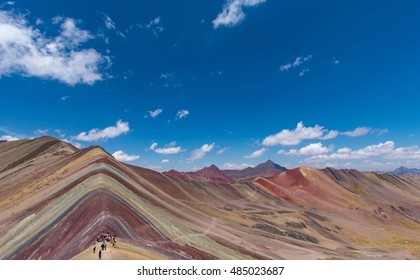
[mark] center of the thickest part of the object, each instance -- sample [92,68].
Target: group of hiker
[103,239]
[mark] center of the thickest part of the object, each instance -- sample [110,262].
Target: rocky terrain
[55,200]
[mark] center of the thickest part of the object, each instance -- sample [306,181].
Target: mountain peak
[405,170]
[266,169]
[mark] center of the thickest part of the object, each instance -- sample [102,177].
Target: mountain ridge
[54,203]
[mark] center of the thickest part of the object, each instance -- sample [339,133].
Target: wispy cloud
[222,151]
[201,152]
[41,131]
[182,114]
[300,60]
[232,13]
[360,131]
[110,24]
[122,156]
[154,114]
[256,154]
[155,25]
[96,134]
[27,51]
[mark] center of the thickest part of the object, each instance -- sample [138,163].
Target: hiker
[100,255]
[94,249]
[102,246]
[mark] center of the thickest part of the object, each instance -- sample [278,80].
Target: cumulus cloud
[122,156]
[412,152]
[232,13]
[8,138]
[256,154]
[165,160]
[96,134]
[201,152]
[380,149]
[154,114]
[181,114]
[360,131]
[233,166]
[168,150]
[27,51]
[288,137]
[311,149]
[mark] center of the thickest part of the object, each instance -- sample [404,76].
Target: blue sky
[184,84]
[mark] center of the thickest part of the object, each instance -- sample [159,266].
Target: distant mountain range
[266,170]
[404,170]
[215,175]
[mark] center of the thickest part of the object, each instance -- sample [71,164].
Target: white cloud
[154,114]
[412,152]
[155,25]
[8,138]
[110,25]
[165,160]
[168,150]
[379,132]
[233,166]
[65,98]
[166,76]
[222,151]
[303,72]
[298,62]
[122,156]
[26,50]
[182,114]
[232,13]
[201,152]
[257,153]
[76,144]
[95,134]
[380,149]
[360,131]
[288,137]
[330,135]
[41,131]
[311,149]
[153,146]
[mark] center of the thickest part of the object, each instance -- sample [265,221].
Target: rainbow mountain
[56,199]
